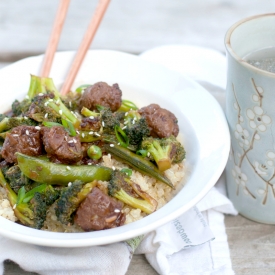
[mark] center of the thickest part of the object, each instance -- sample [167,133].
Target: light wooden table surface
[136,26]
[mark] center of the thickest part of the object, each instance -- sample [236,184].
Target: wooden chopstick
[84,46]
[54,38]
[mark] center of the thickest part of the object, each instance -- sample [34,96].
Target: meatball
[99,211]
[61,147]
[101,94]
[23,139]
[162,123]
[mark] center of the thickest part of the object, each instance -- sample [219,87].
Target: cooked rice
[6,210]
[158,190]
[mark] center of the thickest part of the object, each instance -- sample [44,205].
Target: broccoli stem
[13,199]
[43,85]
[161,155]
[4,124]
[135,203]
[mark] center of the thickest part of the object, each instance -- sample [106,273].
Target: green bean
[139,163]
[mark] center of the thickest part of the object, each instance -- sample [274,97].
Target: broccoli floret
[10,122]
[17,179]
[135,127]
[108,119]
[50,195]
[70,199]
[40,111]
[31,212]
[124,189]
[34,212]
[20,108]
[71,100]
[164,151]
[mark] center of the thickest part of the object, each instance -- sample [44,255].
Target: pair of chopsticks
[84,46]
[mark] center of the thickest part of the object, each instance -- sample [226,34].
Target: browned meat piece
[90,124]
[99,211]
[23,139]
[101,94]
[162,123]
[61,147]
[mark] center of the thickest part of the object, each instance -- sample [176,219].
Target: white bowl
[201,120]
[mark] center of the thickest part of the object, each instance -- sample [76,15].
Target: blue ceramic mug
[250,111]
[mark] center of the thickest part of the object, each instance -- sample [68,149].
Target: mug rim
[232,52]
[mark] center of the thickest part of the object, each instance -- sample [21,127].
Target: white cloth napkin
[186,251]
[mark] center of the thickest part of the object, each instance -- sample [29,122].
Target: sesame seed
[66,138]
[70,141]
[75,115]
[60,112]
[134,121]
[113,167]
[89,163]
[25,117]
[116,210]
[83,135]
[51,100]
[125,122]
[109,155]
[74,140]
[103,124]
[46,103]
[91,133]
[70,103]
[126,114]
[37,128]
[46,115]
[40,94]
[77,132]
[97,134]
[27,132]
[124,127]
[15,135]
[118,143]
[27,97]
[69,184]
[148,154]
[68,168]
[112,145]
[92,117]
[57,101]
[14,206]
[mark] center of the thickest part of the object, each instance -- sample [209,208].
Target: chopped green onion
[88,113]
[21,195]
[51,124]
[127,105]
[94,152]
[127,171]
[121,137]
[142,153]
[38,189]
[69,126]
[82,87]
